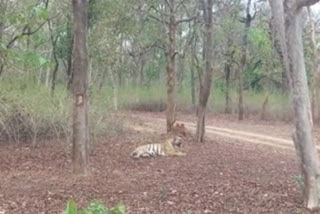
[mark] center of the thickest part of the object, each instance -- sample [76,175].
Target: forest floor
[243,167]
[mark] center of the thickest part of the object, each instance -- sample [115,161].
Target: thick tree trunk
[301,104]
[79,88]
[171,74]
[207,80]
[289,28]
[314,74]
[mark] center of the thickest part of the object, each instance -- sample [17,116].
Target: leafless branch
[304,3]
[158,19]
[176,53]
[168,3]
[158,11]
[179,4]
[25,31]
[186,20]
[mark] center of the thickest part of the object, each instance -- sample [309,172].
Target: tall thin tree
[206,80]
[79,87]
[243,62]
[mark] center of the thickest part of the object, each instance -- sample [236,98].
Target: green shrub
[94,208]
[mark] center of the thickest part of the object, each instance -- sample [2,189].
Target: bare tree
[287,15]
[206,80]
[79,87]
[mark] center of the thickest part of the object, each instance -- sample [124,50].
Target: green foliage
[28,112]
[94,208]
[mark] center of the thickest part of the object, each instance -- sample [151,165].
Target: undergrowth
[28,113]
[153,98]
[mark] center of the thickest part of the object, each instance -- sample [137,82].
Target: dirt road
[156,124]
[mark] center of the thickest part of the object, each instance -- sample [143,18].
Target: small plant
[299,180]
[94,208]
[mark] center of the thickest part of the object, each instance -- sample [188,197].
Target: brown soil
[215,177]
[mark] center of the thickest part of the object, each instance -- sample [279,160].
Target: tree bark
[314,73]
[114,89]
[289,19]
[207,80]
[79,88]
[3,8]
[70,36]
[243,62]
[193,67]
[227,71]
[192,82]
[171,74]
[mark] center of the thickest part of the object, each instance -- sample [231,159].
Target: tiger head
[176,142]
[179,130]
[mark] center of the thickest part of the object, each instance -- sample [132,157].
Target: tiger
[179,130]
[168,148]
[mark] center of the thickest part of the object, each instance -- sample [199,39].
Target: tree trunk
[264,106]
[54,75]
[303,137]
[227,70]
[240,95]
[102,80]
[3,8]
[180,73]
[70,36]
[47,72]
[192,76]
[207,80]
[56,61]
[314,75]
[171,74]
[193,88]
[79,88]
[114,90]
[290,33]
[243,62]
[142,63]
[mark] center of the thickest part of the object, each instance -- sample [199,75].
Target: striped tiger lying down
[168,148]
